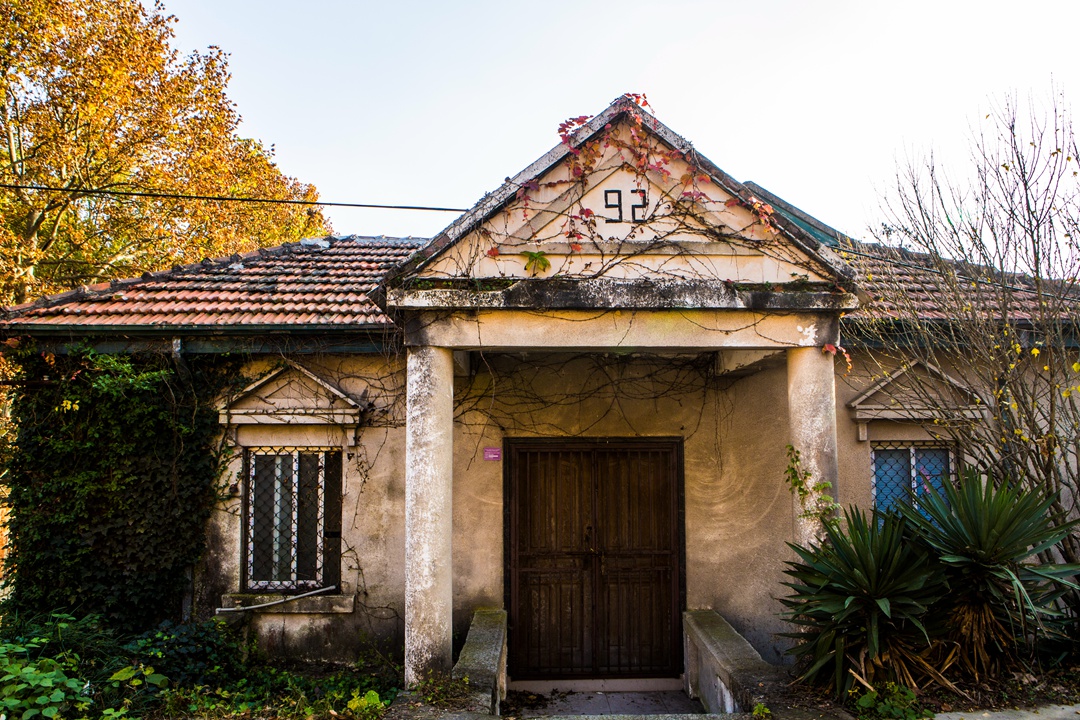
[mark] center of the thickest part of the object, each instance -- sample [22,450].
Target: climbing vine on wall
[113,474]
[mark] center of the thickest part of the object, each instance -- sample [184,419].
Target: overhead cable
[226,198]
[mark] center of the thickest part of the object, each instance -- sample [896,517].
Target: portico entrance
[621,240]
[595,582]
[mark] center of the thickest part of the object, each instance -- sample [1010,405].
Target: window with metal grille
[903,467]
[292,513]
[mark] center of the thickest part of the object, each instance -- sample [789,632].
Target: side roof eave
[495,201]
[238,319]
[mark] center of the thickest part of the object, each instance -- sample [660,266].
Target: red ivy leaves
[523,195]
[833,349]
[763,211]
[567,128]
[493,252]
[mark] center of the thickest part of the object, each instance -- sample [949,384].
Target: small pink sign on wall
[492,453]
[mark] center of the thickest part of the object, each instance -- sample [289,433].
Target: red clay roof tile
[321,281]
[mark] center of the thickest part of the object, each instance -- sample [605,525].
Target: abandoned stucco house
[574,404]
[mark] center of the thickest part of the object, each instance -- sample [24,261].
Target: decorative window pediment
[918,392]
[294,395]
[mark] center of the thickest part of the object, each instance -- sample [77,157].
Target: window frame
[912,447]
[327,526]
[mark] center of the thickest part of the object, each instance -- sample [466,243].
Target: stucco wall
[739,513]
[370,603]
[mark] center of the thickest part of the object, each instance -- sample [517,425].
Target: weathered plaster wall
[739,512]
[371,602]
[751,515]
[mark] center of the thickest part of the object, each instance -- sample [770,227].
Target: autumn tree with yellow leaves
[93,97]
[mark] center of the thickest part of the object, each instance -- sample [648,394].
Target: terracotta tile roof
[901,282]
[311,283]
[326,282]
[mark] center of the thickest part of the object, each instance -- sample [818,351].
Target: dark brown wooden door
[594,558]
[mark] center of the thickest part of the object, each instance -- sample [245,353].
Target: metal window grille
[291,539]
[905,471]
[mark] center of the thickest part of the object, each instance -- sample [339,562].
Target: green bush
[56,664]
[949,589]
[1002,598]
[197,653]
[860,600]
[278,692]
[111,480]
[30,687]
[890,702]
[60,666]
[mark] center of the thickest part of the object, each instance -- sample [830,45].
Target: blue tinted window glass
[892,477]
[931,469]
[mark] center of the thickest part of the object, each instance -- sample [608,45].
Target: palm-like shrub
[860,600]
[987,536]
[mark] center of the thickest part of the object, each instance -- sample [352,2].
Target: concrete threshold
[700,716]
[670,703]
[599,685]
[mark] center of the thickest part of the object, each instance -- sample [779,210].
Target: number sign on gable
[613,200]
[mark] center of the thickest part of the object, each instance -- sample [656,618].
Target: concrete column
[429,461]
[812,420]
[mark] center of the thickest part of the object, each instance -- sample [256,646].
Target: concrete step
[698,716]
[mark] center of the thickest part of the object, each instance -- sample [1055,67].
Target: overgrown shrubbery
[59,666]
[112,477]
[948,591]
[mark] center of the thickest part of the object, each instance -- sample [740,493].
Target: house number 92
[613,200]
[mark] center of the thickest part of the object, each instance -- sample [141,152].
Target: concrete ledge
[483,658]
[728,675]
[315,604]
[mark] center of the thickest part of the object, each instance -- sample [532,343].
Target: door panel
[594,557]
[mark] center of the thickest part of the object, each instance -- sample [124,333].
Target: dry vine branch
[997,305]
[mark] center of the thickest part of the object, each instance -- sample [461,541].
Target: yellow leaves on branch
[95,98]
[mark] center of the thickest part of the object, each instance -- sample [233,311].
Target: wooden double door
[594,556]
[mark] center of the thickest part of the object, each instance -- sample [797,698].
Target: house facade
[574,404]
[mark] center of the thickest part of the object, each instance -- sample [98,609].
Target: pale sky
[434,103]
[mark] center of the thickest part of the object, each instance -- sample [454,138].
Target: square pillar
[812,423]
[429,464]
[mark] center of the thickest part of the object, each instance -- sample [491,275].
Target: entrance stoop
[668,703]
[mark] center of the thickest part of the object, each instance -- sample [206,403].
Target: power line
[222,198]
[271,201]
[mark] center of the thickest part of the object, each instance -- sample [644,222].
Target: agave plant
[987,536]
[859,600]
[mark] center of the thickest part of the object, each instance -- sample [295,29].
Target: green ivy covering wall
[114,471]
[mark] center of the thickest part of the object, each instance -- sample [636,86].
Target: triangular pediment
[624,199]
[918,392]
[293,394]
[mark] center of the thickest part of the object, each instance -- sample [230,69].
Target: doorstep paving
[1049,712]
[615,703]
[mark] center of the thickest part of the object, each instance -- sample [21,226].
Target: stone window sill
[314,605]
